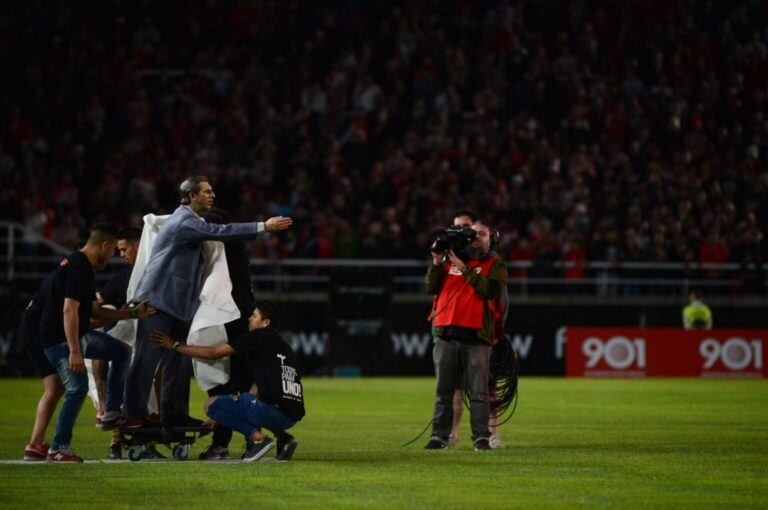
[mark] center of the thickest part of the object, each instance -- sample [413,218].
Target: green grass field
[651,443]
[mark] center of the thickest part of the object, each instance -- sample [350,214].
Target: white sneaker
[452,441]
[496,443]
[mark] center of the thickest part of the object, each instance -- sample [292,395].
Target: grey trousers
[470,361]
[177,370]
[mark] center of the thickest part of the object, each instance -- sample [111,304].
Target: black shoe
[286,447]
[183,421]
[436,444]
[482,445]
[115,451]
[215,453]
[255,451]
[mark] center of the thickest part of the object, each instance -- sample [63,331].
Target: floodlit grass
[651,443]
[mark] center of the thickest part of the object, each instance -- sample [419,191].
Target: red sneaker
[35,452]
[62,454]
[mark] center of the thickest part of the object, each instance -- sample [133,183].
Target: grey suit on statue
[172,281]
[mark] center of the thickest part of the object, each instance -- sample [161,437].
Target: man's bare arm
[109,315]
[221,350]
[72,332]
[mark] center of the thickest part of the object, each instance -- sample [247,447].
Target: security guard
[696,315]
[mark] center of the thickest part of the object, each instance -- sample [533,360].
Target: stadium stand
[621,131]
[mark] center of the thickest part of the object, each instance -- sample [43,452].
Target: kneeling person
[275,400]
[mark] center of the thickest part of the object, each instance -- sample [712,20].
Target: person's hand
[162,340]
[278,223]
[437,257]
[143,309]
[456,261]
[76,363]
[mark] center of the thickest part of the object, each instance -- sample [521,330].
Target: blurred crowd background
[583,130]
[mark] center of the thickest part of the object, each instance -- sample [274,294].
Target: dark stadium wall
[537,332]
[401,344]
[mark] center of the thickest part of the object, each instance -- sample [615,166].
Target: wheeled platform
[177,439]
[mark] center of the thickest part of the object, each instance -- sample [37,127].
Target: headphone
[495,238]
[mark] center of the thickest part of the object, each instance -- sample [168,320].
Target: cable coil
[503,374]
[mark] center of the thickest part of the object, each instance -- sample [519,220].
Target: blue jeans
[247,413]
[93,345]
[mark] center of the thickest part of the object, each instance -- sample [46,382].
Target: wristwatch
[175,345]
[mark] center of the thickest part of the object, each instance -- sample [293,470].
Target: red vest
[458,304]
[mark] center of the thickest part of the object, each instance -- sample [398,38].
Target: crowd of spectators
[584,130]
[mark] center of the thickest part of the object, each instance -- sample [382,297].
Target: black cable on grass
[420,434]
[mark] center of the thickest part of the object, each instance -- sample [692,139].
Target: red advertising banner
[630,352]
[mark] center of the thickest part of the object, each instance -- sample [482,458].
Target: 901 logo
[618,352]
[735,353]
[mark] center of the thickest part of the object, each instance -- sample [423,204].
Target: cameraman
[462,218]
[465,218]
[464,322]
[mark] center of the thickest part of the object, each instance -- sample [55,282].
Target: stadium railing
[26,257]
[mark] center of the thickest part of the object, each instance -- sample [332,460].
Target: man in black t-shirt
[275,400]
[115,293]
[68,301]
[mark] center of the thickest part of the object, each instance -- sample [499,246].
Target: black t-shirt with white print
[274,370]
